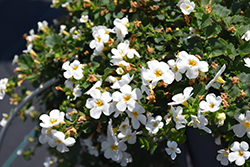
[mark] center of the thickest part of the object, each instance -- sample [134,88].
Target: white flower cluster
[3,86]
[51,136]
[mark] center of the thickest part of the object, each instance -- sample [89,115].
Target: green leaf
[25,61]
[206,21]
[161,16]
[244,48]
[220,10]
[235,91]
[51,40]
[213,30]
[107,71]
[159,38]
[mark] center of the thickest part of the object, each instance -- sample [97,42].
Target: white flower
[3,83]
[119,71]
[181,98]
[172,149]
[43,26]
[15,59]
[223,156]
[191,65]
[186,6]
[30,50]
[84,19]
[45,135]
[158,71]
[247,61]
[76,92]
[74,69]
[173,66]
[193,33]
[200,122]
[4,120]
[49,161]
[53,119]
[101,36]
[97,85]
[154,124]
[126,79]
[137,116]
[91,149]
[68,84]
[111,79]
[179,119]
[60,142]
[167,118]
[63,31]
[124,126]
[120,28]
[246,36]
[239,153]
[126,158]
[221,117]
[217,77]
[112,149]
[128,136]
[211,104]
[243,126]
[127,98]
[99,103]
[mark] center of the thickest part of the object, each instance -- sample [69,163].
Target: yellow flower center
[247,124]
[59,141]
[172,148]
[127,98]
[128,136]
[52,121]
[192,63]
[175,68]
[98,39]
[114,147]
[158,73]
[99,103]
[196,121]
[240,153]
[124,126]
[74,68]
[187,7]
[135,114]
[225,154]
[155,124]
[211,105]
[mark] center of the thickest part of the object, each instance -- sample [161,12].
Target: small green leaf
[159,38]
[220,10]
[244,48]
[51,40]
[25,61]
[161,16]
[235,91]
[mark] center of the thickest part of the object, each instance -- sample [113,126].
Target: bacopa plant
[122,79]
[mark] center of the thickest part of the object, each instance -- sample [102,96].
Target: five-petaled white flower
[246,36]
[126,98]
[223,156]
[211,104]
[181,98]
[120,28]
[243,126]
[74,69]
[179,119]
[217,77]
[53,119]
[137,116]
[101,36]
[113,149]
[200,122]
[84,19]
[239,152]
[172,149]
[154,124]
[158,71]
[186,6]
[191,65]
[76,92]
[60,142]
[99,103]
